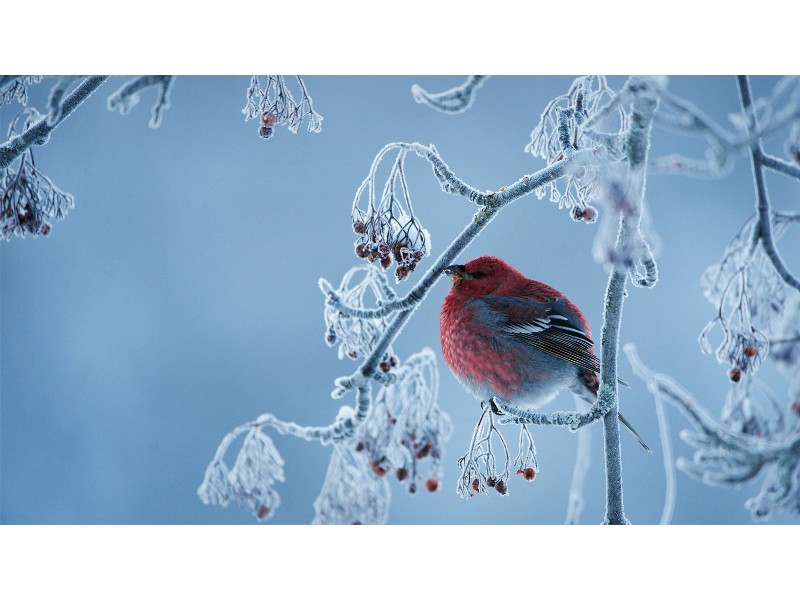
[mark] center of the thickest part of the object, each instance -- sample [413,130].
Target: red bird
[520,340]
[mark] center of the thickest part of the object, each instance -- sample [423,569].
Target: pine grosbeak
[507,336]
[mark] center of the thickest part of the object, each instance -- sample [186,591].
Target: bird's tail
[591,385]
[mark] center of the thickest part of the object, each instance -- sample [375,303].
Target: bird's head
[481,276]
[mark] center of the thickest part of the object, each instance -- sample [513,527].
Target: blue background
[179,298]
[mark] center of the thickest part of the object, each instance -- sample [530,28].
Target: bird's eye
[477,275]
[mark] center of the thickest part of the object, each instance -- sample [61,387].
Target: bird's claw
[495,409]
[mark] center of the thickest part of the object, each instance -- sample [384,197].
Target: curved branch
[453,101]
[39,132]
[763,227]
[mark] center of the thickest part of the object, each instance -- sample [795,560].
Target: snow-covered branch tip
[453,101]
[274,105]
[127,96]
[15,87]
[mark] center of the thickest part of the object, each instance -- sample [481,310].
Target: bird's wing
[547,326]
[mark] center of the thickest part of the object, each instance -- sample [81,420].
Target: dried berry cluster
[406,427]
[358,336]
[383,238]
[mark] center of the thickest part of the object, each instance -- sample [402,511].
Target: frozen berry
[589,214]
[352,354]
[386,261]
[412,488]
[362,251]
[360,446]
[476,485]
[735,374]
[263,512]
[401,273]
[749,351]
[378,470]
[385,367]
[491,481]
[383,249]
[393,361]
[358,226]
[265,132]
[432,485]
[529,474]
[44,229]
[401,474]
[501,487]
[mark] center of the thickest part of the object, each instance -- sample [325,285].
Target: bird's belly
[517,374]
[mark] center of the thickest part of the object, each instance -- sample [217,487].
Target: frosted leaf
[351,495]
[388,231]
[274,105]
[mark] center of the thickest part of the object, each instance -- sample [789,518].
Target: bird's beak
[456,273]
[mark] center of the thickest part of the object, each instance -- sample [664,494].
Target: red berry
[361,251]
[386,261]
[263,511]
[749,351]
[529,474]
[735,374]
[44,229]
[267,119]
[358,226]
[385,367]
[491,481]
[378,470]
[589,214]
[432,485]
[476,484]
[401,474]
[501,487]
[383,249]
[371,257]
[401,273]
[352,354]
[424,451]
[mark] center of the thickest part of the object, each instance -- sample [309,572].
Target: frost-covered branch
[725,456]
[763,228]
[453,101]
[684,117]
[127,96]
[39,132]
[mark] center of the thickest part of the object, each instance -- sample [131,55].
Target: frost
[29,197]
[387,227]
[274,105]
[127,96]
